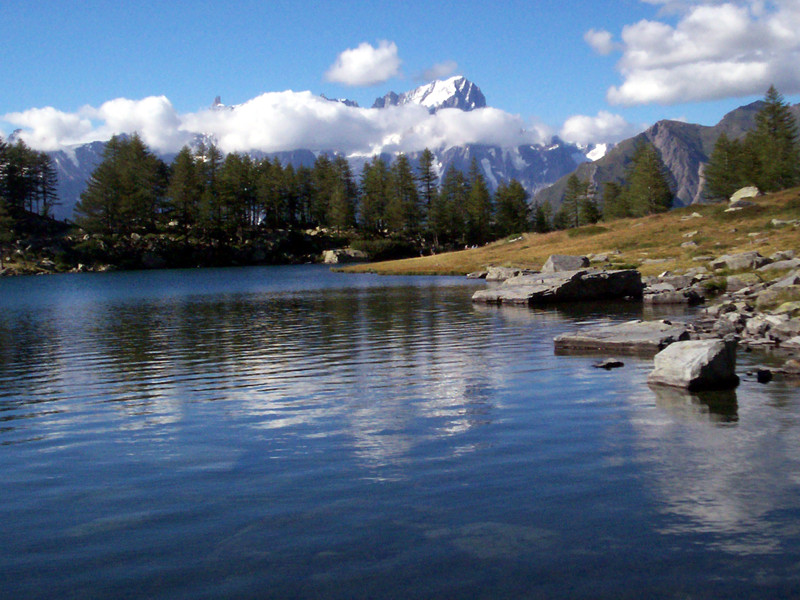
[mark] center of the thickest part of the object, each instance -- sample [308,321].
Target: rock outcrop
[696,365]
[564,286]
[633,337]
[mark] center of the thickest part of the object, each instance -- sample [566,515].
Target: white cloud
[603,128]
[50,129]
[365,65]
[601,41]
[153,118]
[441,70]
[715,50]
[277,121]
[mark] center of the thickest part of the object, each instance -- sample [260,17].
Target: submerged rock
[696,365]
[566,286]
[608,364]
[633,337]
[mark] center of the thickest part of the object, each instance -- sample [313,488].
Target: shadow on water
[715,406]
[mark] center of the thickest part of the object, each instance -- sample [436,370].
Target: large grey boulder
[563,262]
[696,365]
[739,262]
[567,286]
[633,337]
[782,265]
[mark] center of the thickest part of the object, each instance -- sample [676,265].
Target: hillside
[684,148]
[653,244]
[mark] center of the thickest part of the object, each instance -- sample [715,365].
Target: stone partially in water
[696,365]
[633,337]
[566,286]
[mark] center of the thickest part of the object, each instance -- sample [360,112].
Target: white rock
[696,364]
[750,191]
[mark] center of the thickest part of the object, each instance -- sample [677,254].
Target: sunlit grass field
[656,243]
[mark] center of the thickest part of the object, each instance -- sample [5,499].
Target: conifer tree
[615,204]
[211,214]
[375,181]
[730,167]
[45,184]
[344,196]
[100,207]
[427,180]
[511,205]
[588,211]
[184,190]
[775,144]
[447,221]
[647,188]
[6,229]
[569,214]
[542,215]
[402,209]
[324,178]
[479,207]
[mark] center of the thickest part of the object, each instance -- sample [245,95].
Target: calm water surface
[288,432]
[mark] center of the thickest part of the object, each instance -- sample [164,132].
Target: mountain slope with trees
[684,148]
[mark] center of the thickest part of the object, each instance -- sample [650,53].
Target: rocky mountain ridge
[685,149]
[534,165]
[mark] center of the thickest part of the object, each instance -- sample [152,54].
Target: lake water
[287,432]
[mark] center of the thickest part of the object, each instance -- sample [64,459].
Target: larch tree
[775,143]
[479,207]
[647,187]
[511,208]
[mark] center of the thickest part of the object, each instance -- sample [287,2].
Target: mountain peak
[455,92]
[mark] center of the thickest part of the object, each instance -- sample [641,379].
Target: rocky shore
[751,302]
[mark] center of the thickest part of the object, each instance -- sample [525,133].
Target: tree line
[212,197]
[768,156]
[28,180]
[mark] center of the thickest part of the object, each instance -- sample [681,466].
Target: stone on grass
[696,365]
[782,265]
[740,261]
[749,191]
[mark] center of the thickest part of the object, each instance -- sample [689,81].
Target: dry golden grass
[654,237]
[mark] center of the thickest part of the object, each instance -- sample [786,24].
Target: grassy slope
[653,237]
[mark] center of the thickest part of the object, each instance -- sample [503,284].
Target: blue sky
[593,70]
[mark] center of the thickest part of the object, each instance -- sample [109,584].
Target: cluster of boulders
[561,279]
[696,355]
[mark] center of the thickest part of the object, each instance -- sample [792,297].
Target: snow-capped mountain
[535,166]
[456,92]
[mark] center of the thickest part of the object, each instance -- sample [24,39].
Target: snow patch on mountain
[456,92]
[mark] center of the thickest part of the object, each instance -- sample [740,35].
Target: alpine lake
[289,432]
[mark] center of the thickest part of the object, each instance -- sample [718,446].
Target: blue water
[287,432]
